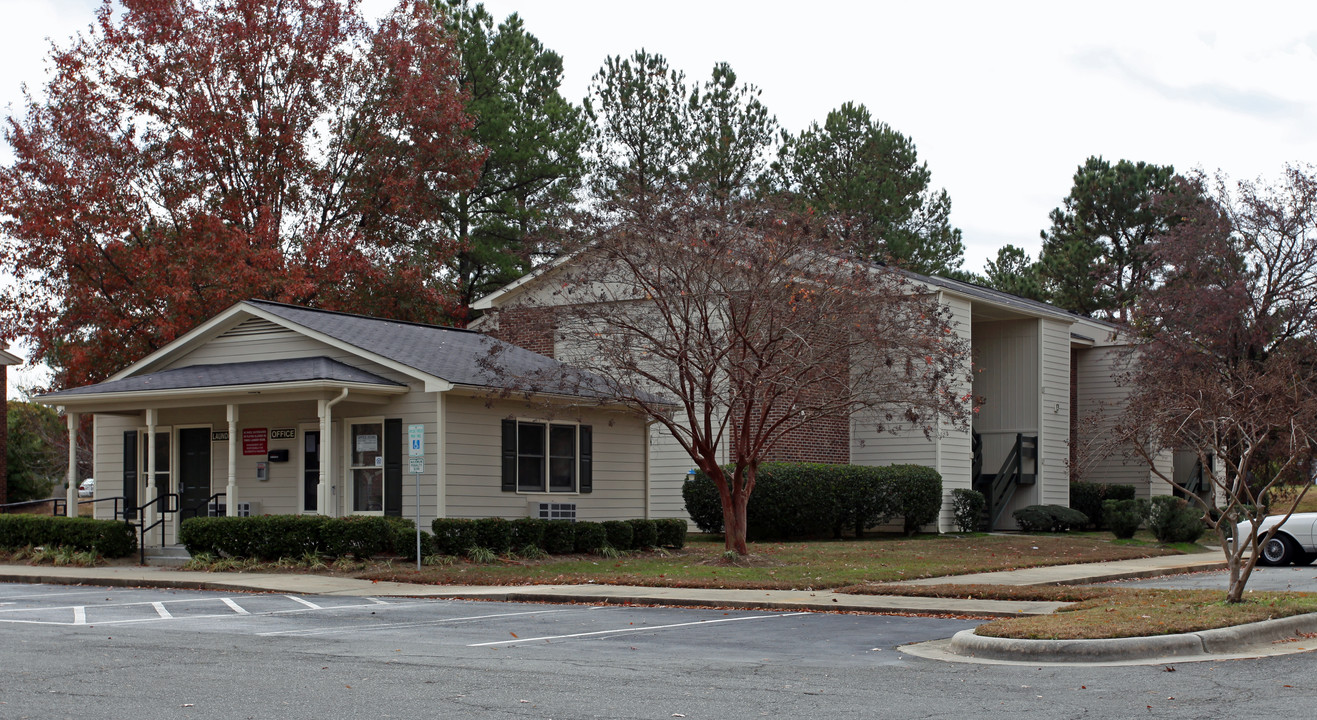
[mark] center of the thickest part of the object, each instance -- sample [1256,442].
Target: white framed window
[365,465]
[547,457]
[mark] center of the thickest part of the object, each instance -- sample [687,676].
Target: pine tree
[869,177]
[533,140]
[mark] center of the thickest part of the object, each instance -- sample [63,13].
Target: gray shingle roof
[259,372]
[462,357]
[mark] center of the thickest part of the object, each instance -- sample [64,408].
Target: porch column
[71,492]
[152,509]
[231,490]
[324,489]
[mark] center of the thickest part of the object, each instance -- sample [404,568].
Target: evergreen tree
[1016,273]
[1094,259]
[869,177]
[532,138]
[642,140]
[732,133]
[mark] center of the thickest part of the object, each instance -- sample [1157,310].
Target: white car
[1294,542]
[87,488]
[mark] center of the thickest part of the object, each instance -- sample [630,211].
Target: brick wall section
[4,435]
[827,440]
[529,328]
[824,441]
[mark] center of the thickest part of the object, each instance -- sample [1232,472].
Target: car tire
[1279,550]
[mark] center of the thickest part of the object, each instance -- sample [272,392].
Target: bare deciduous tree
[1228,364]
[735,329]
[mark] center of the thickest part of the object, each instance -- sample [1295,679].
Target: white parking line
[160,609]
[307,603]
[234,610]
[635,629]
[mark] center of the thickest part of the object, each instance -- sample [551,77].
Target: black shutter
[509,456]
[393,467]
[130,474]
[587,459]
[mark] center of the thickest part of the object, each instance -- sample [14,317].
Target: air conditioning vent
[219,509]
[554,511]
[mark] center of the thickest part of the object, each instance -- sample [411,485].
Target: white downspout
[323,491]
[231,490]
[71,493]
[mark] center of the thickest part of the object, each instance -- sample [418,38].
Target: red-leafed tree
[735,325]
[1227,367]
[187,154]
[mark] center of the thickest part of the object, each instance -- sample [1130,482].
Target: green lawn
[787,565]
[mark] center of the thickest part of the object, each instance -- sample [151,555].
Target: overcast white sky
[1003,100]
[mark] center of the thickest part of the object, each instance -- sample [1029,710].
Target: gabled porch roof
[201,381]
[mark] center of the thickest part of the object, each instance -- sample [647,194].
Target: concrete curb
[1185,645]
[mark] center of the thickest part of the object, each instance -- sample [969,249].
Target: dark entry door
[193,470]
[310,469]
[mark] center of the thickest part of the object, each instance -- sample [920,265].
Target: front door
[310,470]
[193,470]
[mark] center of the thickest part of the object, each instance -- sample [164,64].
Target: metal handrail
[170,502]
[4,509]
[1007,478]
[195,509]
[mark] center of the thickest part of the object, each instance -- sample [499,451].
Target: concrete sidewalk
[310,584]
[1087,573]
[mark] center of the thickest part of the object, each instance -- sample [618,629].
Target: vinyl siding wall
[474,463]
[1054,439]
[1098,401]
[1006,377]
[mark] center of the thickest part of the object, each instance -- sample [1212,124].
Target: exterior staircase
[167,556]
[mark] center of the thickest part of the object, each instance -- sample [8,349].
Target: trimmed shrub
[1089,498]
[528,532]
[1172,520]
[559,537]
[270,537]
[703,503]
[404,543]
[817,500]
[494,534]
[644,534]
[590,536]
[619,534]
[917,495]
[453,536]
[110,538]
[967,506]
[1124,517]
[1049,518]
[671,532]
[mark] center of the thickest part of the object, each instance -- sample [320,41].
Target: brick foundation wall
[529,328]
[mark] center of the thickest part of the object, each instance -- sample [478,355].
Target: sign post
[416,463]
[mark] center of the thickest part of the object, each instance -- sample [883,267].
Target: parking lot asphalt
[166,654]
[451,626]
